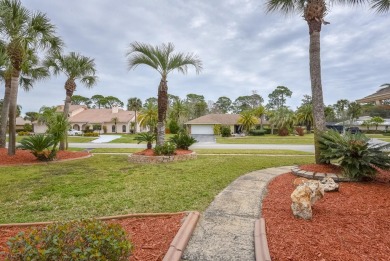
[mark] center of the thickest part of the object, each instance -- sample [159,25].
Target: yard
[307,139]
[108,185]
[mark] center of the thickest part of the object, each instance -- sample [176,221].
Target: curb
[182,237]
[261,244]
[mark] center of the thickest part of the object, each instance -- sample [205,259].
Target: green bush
[91,134]
[75,240]
[225,131]
[182,140]
[41,146]
[174,127]
[166,149]
[23,133]
[27,127]
[355,155]
[217,129]
[257,132]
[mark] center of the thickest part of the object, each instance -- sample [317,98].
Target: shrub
[225,131]
[91,134]
[174,127]
[27,127]
[257,132]
[283,132]
[300,131]
[75,240]
[147,137]
[23,133]
[166,149]
[217,129]
[40,146]
[355,155]
[182,140]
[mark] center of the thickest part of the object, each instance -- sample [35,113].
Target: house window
[123,128]
[113,128]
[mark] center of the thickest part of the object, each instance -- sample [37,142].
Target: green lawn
[307,139]
[71,139]
[108,185]
[129,138]
[379,137]
[211,151]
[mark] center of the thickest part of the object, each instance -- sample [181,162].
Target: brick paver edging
[318,175]
[261,244]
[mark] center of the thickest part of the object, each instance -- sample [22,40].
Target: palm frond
[380,6]
[285,6]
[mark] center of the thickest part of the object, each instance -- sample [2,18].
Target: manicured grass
[379,137]
[108,185]
[116,150]
[129,138]
[307,139]
[71,139]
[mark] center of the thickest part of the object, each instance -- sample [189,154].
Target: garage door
[202,129]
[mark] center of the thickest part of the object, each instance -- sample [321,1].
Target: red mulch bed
[151,236]
[26,157]
[150,152]
[324,168]
[352,224]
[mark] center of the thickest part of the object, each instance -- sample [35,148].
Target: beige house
[20,122]
[378,97]
[205,124]
[115,120]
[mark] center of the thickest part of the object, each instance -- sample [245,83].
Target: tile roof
[71,107]
[381,94]
[21,121]
[224,119]
[98,116]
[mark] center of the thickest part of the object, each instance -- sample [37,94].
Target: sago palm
[314,12]
[23,31]
[164,60]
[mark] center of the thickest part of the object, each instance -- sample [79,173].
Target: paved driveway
[106,138]
[204,138]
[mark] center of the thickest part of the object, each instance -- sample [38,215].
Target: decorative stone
[299,181]
[329,184]
[304,197]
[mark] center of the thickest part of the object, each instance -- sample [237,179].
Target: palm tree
[283,119]
[134,104]
[30,73]
[148,117]
[247,120]
[376,121]
[75,67]
[24,31]
[179,111]
[164,60]
[305,115]
[354,111]
[260,112]
[314,11]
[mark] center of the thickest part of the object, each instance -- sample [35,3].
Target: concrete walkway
[225,231]
[106,138]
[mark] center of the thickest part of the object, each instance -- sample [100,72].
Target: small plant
[41,146]
[225,131]
[166,149]
[23,133]
[91,134]
[182,140]
[75,240]
[355,155]
[147,137]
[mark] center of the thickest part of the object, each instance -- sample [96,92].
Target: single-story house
[20,122]
[377,97]
[205,124]
[115,120]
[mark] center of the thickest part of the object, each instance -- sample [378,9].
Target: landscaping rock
[329,184]
[299,181]
[304,197]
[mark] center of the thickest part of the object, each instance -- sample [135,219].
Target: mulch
[352,224]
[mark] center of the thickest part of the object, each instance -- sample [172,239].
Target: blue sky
[242,48]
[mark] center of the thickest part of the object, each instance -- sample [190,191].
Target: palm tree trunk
[68,98]
[13,112]
[162,102]
[316,86]
[4,113]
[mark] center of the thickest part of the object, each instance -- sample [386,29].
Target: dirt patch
[26,157]
[151,236]
[150,152]
[351,224]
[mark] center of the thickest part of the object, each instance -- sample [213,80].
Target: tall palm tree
[23,31]
[313,12]
[134,104]
[305,115]
[30,73]
[148,117]
[164,60]
[75,67]
[260,112]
